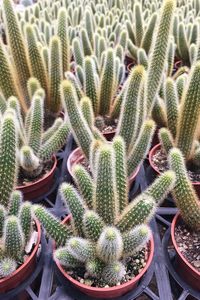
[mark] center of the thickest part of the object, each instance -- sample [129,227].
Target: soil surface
[161,164]
[188,243]
[134,265]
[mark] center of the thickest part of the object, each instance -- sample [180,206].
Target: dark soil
[134,265]
[24,180]
[188,242]
[161,164]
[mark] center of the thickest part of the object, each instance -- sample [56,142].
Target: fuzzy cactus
[60,233]
[78,124]
[87,110]
[2,219]
[113,273]
[65,258]
[13,238]
[17,46]
[85,184]
[148,34]
[15,202]
[93,225]
[26,219]
[184,193]
[56,74]
[8,157]
[171,98]
[81,249]
[7,266]
[159,52]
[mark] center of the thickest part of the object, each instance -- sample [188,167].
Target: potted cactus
[185,229]
[182,119]
[17,252]
[105,235]
[132,125]
[36,147]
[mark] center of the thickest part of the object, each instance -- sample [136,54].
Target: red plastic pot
[130,66]
[24,271]
[178,64]
[196,184]
[34,190]
[183,267]
[109,135]
[112,292]
[77,157]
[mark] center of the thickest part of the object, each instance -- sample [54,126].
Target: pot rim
[78,149]
[110,289]
[30,184]
[152,152]
[3,280]
[176,218]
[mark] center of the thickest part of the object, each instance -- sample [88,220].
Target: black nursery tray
[161,282]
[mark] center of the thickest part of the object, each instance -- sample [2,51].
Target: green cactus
[105,193]
[51,130]
[59,232]
[81,249]
[110,245]
[17,47]
[36,124]
[135,239]
[77,52]
[13,238]
[159,114]
[129,111]
[55,142]
[78,124]
[93,225]
[166,139]
[184,193]
[65,258]
[113,273]
[25,216]
[33,85]
[7,80]
[107,83]
[171,55]
[2,219]
[15,202]
[76,206]
[29,162]
[159,53]
[90,84]
[171,99]
[87,110]
[182,43]
[180,84]
[142,58]
[56,74]
[121,172]
[7,266]
[95,267]
[148,34]
[139,211]
[85,184]
[138,24]
[189,114]
[3,104]
[141,147]
[63,35]
[85,42]
[8,157]
[36,64]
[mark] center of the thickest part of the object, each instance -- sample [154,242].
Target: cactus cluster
[106,229]
[181,125]
[26,141]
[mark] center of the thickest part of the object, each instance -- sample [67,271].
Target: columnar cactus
[158,57]
[102,238]
[183,192]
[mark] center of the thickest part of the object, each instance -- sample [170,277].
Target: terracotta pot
[76,157]
[25,270]
[34,190]
[183,267]
[112,292]
[109,135]
[196,184]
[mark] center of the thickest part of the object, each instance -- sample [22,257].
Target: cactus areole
[111,292]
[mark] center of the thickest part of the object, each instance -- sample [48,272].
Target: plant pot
[196,184]
[25,270]
[178,64]
[189,274]
[112,292]
[109,135]
[34,190]
[77,157]
[130,66]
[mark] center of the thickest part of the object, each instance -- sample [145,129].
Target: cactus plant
[101,240]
